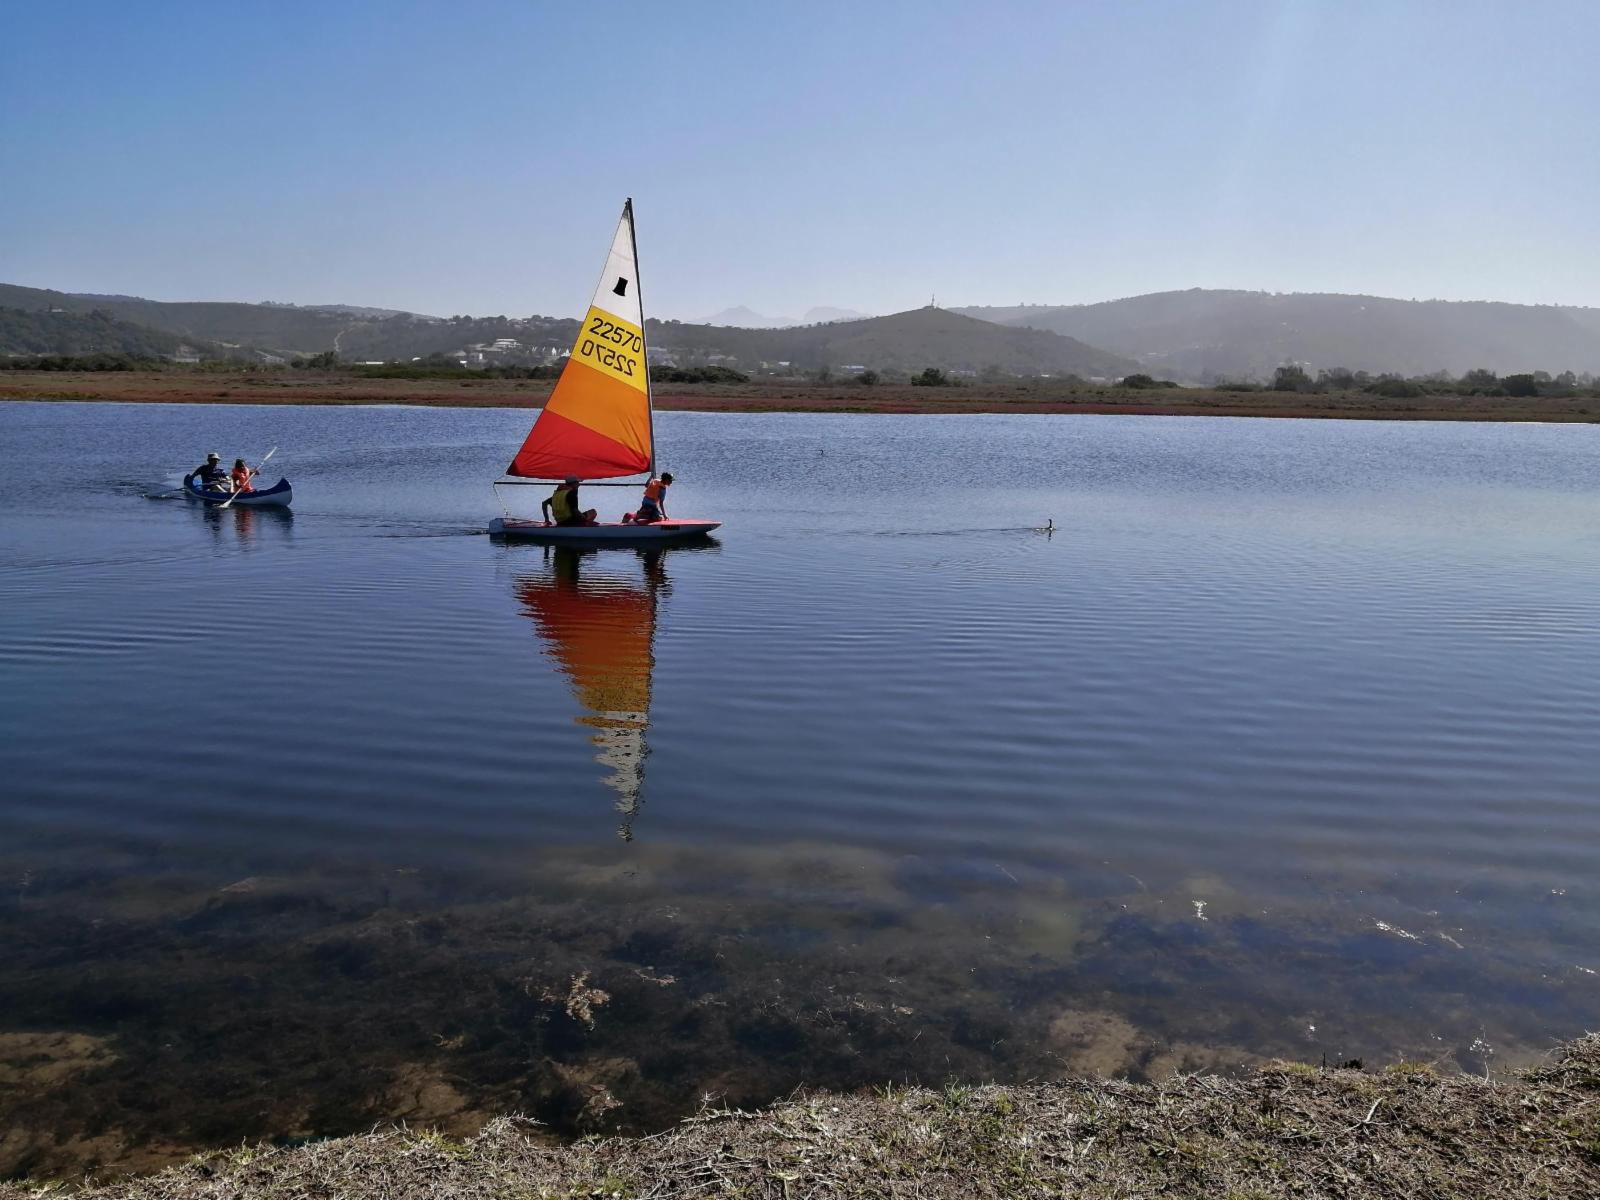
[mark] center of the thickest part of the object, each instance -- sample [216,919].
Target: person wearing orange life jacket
[654,505]
[562,505]
[240,476]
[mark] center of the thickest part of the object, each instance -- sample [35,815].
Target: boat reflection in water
[597,617]
[247,524]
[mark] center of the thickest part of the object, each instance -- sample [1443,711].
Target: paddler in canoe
[210,474]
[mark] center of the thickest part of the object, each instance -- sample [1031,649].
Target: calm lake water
[1283,743]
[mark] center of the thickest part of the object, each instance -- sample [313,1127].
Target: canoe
[276,496]
[660,533]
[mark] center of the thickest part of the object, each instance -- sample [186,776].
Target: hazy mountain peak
[1208,333]
[823,314]
[743,317]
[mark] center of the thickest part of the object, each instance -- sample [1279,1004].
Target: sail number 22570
[609,344]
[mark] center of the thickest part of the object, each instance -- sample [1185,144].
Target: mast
[644,337]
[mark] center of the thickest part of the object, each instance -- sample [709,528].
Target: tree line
[1478,382]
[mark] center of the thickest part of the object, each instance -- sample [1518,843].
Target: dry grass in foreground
[1289,1131]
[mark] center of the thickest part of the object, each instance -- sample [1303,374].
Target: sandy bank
[1287,1130]
[777,395]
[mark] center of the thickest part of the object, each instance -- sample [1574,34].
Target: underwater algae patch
[605,991]
[1282,1131]
[49,1059]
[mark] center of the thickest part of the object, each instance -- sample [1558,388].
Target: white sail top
[618,291]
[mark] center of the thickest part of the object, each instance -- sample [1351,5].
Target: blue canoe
[276,496]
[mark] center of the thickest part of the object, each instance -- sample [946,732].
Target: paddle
[252,475]
[177,491]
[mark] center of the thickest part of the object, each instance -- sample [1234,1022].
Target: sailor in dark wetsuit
[210,474]
[563,506]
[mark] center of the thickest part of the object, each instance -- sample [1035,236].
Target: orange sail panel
[596,424]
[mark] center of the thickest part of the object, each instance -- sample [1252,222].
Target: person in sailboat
[653,507]
[561,508]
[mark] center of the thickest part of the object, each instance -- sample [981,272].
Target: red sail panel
[594,426]
[559,447]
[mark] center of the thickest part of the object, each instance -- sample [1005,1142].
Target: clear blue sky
[471,156]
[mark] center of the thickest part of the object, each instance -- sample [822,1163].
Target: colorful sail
[596,424]
[600,629]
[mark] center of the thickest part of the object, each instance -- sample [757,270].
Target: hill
[826,312]
[296,330]
[743,317]
[272,327]
[907,341]
[1197,335]
[749,318]
[41,331]
[1206,334]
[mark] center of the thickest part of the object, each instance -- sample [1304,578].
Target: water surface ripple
[1281,743]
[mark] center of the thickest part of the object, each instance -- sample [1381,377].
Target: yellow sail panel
[611,345]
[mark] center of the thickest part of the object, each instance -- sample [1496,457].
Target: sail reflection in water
[599,623]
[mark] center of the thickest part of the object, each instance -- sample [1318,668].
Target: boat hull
[277,496]
[660,533]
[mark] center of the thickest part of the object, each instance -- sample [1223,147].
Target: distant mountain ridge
[277,328]
[742,317]
[354,310]
[1199,335]
[906,341]
[36,331]
[1203,334]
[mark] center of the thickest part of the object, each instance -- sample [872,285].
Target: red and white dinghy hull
[659,533]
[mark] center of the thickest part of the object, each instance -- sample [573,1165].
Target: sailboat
[598,424]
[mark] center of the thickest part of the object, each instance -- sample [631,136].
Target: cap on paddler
[213,457]
[572,479]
